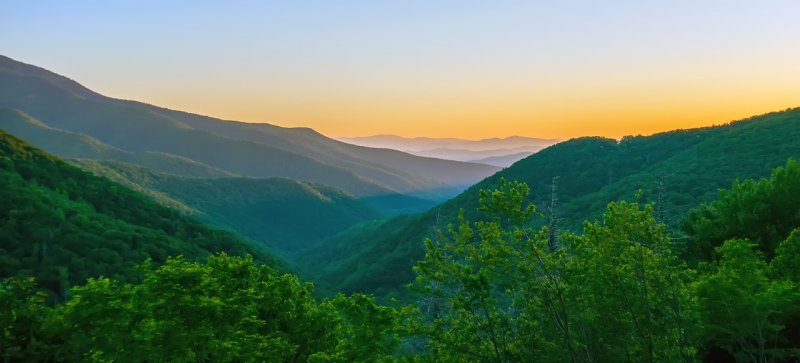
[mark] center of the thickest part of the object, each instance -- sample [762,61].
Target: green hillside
[493,289]
[244,149]
[281,213]
[687,166]
[429,177]
[62,225]
[72,145]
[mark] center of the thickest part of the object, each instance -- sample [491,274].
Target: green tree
[366,332]
[786,263]
[227,309]
[635,302]
[22,313]
[496,291]
[764,211]
[740,308]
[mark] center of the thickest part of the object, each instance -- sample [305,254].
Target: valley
[234,241]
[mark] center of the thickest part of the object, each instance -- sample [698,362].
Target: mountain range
[237,148]
[677,170]
[500,152]
[353,218]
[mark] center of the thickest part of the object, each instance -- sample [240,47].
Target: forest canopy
[62,225]
[626,288]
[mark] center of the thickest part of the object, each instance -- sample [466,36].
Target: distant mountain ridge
[503,160]
[254,150]
[505,151]
[428,143]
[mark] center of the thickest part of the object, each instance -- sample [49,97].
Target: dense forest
[62,225]
[678,169]
[285,214]
[499,288]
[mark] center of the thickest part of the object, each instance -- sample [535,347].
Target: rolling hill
[431,143]
[467,155]
[77,146]
[503,160]
[252,150]
[285,214]
[505,150]
[62,225]
[681,168]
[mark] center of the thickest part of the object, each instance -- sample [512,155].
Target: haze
[424,68]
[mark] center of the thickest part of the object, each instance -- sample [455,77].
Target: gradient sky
[471,69]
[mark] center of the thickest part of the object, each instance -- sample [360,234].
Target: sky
[470,69]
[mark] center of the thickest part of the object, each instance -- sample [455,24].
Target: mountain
[62,225]
[252,150]
[467,155]
[681,169]
[430,143]
[72,145]
[398,169]
[284,214]
[505,150]
[503,160]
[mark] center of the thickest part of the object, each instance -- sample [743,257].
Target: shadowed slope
[255,150]
[63,225]
[282,213]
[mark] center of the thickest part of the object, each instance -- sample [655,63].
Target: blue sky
[429,68]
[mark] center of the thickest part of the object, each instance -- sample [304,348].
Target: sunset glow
[450,69]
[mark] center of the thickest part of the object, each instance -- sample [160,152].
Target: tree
[497,292]
[786,263]
[226,309]
[741,309]
[367,332]
[468,277]
[22,312]
[635,304]
[763,211]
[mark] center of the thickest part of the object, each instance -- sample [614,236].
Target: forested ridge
[257,150]
[94,271]
[62,225]
[73,145]
[681,168]
[285,214]
[623,288]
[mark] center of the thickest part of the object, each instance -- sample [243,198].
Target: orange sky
[624,103]
[428,68]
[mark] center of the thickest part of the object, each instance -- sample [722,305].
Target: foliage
[615,293]
[498,290]
[286,214]
[764,211]
[22,313]
[227,309]
[741,309]
[676,171]
[786,263]
[62,225]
